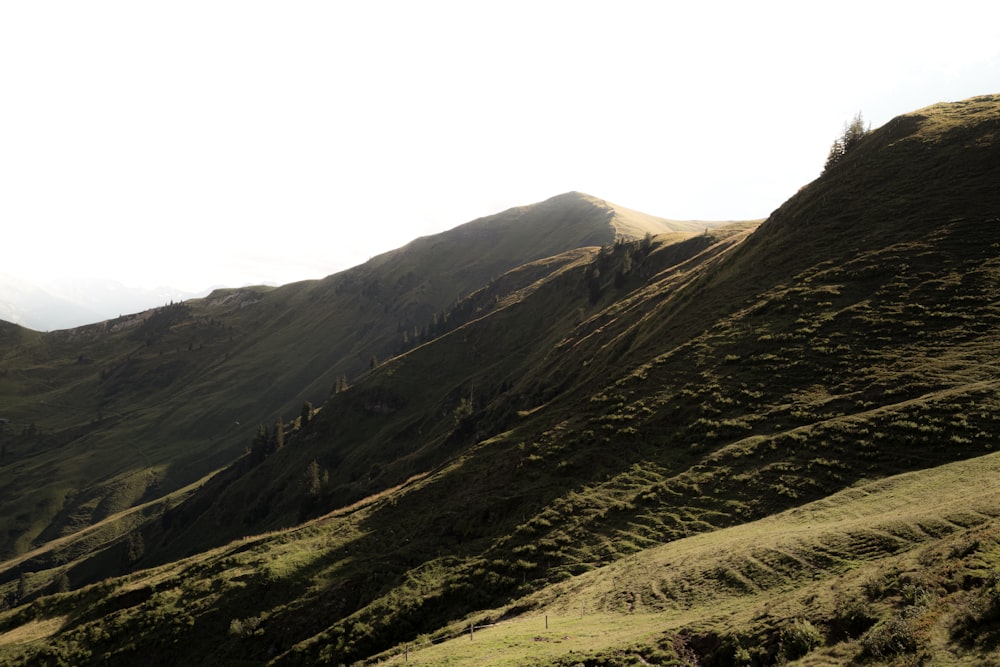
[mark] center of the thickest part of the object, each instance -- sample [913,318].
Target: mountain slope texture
[112,415]
[567,434]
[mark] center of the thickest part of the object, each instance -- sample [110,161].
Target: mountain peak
[626,223]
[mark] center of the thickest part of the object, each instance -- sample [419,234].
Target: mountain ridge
[253,354]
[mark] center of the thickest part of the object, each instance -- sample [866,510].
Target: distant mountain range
[66,304]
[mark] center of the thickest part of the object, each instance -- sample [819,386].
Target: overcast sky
[201,143]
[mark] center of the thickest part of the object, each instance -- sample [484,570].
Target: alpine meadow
[567,434]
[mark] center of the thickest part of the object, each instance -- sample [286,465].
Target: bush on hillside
[799,638]
[892,637]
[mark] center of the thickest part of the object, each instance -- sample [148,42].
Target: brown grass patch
[33,630]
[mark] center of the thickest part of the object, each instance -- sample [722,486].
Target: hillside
[904,565]
[112,415]
[739,445]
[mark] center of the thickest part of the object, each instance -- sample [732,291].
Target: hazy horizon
[199,144]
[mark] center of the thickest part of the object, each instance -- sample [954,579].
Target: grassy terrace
[912,555]
[892,569]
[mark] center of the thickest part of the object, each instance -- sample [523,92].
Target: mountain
[68,304]
[118,413]
[747,444]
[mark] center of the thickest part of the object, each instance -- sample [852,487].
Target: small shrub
[61,583]
[915,595]
[852,616]
[246,627]
[799,638]
[980,612]
[893,637]
[878,588]
[965,548]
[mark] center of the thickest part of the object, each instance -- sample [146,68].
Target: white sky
[200,143]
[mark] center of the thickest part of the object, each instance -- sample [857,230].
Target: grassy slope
[920,547]
[911,557]
[391,425]
[111,415]
[852,336]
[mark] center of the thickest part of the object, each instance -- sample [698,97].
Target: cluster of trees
[315,478]
[620,261]
[25,589]
[339,385]
[157,325]
[267,441]
[440,323]
[854,131]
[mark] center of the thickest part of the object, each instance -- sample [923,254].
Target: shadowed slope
[110,415]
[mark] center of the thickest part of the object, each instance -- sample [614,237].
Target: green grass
[798,566]
[534,639]
[916,546]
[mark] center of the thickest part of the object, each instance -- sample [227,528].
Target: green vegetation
[754,444]
[797,584]
[854,131]
[109,416]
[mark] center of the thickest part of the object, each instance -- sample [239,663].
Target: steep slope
[107,416]
[628,398]
[417,411]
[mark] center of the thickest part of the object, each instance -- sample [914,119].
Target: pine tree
[311,481]
[647,243]
[260,446]
[340,384]
[279,435]
[22,586]
[592,277]
[135,548]
[854,131]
